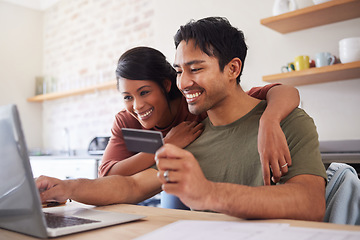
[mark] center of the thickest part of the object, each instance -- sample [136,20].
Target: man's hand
[52,189]
[273,150]
[185,178]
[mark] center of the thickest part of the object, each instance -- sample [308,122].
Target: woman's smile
[145,115]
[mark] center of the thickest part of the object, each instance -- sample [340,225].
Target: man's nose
[184,81]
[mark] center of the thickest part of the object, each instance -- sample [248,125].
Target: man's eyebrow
[189,63]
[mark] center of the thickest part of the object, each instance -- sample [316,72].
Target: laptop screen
[20,208]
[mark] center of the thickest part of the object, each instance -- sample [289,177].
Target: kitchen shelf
[57,95]
[336,72]
[313,16]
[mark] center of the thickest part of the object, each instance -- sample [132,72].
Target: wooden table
[156,218]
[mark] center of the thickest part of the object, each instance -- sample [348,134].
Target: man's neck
[236,105]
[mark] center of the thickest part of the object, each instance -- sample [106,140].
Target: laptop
[20,206]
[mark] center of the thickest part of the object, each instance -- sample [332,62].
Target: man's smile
[192,96]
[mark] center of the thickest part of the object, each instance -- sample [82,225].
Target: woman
[147,83]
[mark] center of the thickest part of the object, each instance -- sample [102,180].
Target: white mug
[320,1]
[349,49]
[324,59]
[284,6]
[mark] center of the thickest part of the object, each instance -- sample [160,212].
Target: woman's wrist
[269,119]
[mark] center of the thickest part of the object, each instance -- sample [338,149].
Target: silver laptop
[20,206]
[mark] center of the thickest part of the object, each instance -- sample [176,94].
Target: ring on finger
[284,165]
[166,176]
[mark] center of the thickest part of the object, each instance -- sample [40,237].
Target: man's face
[199,78]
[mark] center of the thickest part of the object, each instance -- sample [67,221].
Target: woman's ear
[234,67]
[167,85]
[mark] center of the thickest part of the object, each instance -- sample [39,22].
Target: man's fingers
[51,195]
[172,152]
[168,176]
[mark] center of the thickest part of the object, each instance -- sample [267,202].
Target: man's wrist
[70,187]
[213,198]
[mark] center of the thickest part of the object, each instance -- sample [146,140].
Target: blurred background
[75,44]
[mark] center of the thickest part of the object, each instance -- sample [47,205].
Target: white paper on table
[209,230]
[301,233]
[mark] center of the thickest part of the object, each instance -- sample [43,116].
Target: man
[213,91]
[223,172]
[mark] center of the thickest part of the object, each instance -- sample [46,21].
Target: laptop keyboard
[57,221]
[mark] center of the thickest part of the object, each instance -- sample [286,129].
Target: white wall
[334,106]
[20,62]
[83,41]
[97,32]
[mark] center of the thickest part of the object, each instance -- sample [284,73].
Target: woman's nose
[138,104]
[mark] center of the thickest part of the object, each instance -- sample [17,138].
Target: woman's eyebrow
[140,88]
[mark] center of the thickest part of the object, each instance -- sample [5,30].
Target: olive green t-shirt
[229,153]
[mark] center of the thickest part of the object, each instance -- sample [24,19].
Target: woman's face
[146,102]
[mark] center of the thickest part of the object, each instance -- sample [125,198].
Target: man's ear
[167,85]
[234,67]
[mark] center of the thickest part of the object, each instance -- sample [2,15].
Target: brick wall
[83,40]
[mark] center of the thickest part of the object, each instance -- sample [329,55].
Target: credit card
[139,140]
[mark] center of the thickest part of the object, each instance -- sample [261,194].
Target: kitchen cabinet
[316,15]
[341,151]
[57,95]
[65,167]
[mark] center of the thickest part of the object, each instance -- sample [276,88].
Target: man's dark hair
[216,37]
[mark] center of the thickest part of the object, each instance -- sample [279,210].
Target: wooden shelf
[56,95]
[331,73]
[313,16]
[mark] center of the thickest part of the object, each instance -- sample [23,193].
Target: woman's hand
[184,133]
[273,149]
[272,146]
